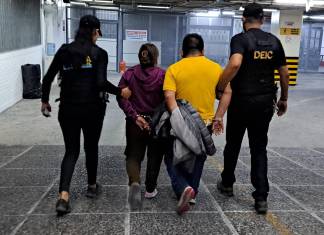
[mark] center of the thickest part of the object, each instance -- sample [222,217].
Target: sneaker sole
[135,197]
[183,205]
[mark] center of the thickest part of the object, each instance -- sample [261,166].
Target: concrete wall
[10,73]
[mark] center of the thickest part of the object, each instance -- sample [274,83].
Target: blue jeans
[180,179]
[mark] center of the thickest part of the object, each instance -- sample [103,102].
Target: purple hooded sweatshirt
[147,90]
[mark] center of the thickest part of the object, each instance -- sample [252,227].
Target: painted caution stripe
[292,65]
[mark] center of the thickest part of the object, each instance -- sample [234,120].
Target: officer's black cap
[90,21]
[253,10]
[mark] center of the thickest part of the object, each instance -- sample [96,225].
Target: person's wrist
[283,98]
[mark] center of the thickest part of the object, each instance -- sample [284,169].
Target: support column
[287,25]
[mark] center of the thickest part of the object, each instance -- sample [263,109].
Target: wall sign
[290,31]
[136,35]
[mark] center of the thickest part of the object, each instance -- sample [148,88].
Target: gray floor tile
[211,176]
[195,223]
[320,172]
[297,152]
[112,200]
[243,200]
[36,161]
[300,223]
[250,223]
[27,177]
[74,224]
[108,176]
[321,215]
[11,151]
[111,151]
[166,201]
[320,150]
[311,163]
[9,223]
[218,163]
[294,177]
[4,160]
[47,150]
[312,196]
[245,151]
[112,162]
[275,162]
[18,201]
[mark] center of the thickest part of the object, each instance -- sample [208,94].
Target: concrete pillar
[287,25]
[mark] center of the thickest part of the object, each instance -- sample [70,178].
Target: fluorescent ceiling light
[154,7]
[292,2]
[228,13]
[269,10]
[104,7]
[78,3]
[101,1]
[208,14]
[314,17]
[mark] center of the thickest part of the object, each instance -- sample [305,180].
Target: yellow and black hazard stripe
[292,64]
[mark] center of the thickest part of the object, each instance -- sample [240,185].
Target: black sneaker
[63,207]
[94,192]
[261,207]
[227,191]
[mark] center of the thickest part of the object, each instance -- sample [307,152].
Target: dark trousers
[72,120]
[137,142]
[254,115]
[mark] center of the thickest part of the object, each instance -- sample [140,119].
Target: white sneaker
[192,201]
[151,195]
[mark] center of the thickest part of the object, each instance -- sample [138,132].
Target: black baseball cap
[90,21]
[253,10]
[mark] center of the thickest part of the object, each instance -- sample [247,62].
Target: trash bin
[31,74]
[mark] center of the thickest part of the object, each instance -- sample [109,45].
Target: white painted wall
[11,85]
[288,19]
[131,48]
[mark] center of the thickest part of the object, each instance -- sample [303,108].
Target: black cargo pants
[254,115]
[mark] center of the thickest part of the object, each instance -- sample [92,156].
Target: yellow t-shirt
[195,79]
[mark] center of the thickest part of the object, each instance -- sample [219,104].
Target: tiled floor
[29,182]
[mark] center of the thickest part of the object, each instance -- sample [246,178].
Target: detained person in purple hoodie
[146,82]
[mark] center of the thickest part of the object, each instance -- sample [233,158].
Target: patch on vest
[263,55]
[88,63]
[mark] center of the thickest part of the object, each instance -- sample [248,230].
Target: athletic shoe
[151,195]
[63,207]
[134,198]
[227,191]
[261,207]
[186,196]
[93,192]
[192,202]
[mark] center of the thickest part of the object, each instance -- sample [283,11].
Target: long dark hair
[148,55]
[81,46]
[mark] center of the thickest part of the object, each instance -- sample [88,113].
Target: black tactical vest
[256,74]
[79,83]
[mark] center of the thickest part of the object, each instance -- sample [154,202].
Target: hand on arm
[284,84]
[218,124]
[229,73]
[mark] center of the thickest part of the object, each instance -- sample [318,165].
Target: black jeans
[73,119]
[137,142]
[253,114]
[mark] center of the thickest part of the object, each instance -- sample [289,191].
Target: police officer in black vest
[83,68]
[255,55]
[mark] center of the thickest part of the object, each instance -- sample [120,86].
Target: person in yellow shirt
[194,78]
